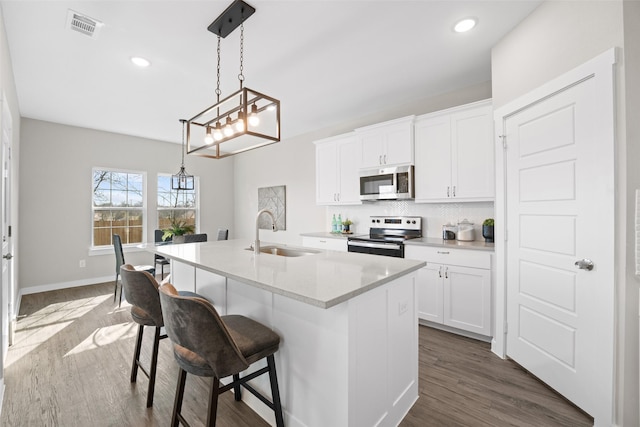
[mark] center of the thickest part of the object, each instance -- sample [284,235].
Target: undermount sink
[283,251]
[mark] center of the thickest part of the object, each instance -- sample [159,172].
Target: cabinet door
[467,299]
[326,174]
[330,244]
[398,144]
[349,164]
[429,284]
[372,148]
[433,158]
[472,166]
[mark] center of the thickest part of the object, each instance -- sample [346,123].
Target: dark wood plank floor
[70,362]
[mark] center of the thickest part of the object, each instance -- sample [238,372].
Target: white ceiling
[327,61]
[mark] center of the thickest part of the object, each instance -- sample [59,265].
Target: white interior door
[560,242]
[7,295]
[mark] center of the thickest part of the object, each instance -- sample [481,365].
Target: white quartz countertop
[327,235]
[323,279]
[457,244]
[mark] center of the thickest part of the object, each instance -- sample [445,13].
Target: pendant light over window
[182,180]
[242,121]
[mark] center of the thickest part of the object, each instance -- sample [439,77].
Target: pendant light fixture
[182,180]
[242,121]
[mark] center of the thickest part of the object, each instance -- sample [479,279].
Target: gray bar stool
[209,345]
[141,289]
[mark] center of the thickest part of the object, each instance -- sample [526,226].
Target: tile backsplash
[434,215]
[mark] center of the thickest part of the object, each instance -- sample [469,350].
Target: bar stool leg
[177,404]
[213,402]
[136,354]
[154,365]
[275,393]
[237,390]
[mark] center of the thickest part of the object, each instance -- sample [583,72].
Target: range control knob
[413,222]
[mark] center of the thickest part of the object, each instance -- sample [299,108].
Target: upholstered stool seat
[209,345]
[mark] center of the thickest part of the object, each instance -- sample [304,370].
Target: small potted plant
[176,230]
[346,225]
[487,230]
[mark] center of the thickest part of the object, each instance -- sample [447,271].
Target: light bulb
[254,120]
[240,122]
[228,129]
[208,139]
[217,133]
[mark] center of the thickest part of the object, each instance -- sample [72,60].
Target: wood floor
[71,358]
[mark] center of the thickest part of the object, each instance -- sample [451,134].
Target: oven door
[376,248]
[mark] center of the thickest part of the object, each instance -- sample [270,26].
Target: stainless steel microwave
[392,183]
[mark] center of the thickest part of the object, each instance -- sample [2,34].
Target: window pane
[164,199]
[134,199]
[102,198]
[102,236]
[164,183]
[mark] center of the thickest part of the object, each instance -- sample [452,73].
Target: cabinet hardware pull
[448,191]
[323,241]
[454,191]
[444,252]
[446,272]
[385,159]
[440,272]
[338,195]
[380,159]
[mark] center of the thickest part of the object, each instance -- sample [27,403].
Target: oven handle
[373,245]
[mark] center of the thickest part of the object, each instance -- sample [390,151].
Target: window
[118,206]
[176,205]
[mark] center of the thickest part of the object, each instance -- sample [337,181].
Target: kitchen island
[348,323]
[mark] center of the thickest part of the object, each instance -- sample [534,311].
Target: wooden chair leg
[177,404]
[237,389]
[152,370]
[136,354]
[275,392]
[213,402]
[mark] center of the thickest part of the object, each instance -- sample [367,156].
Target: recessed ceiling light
[140,62]
[465,25]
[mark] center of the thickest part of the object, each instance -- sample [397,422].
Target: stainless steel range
[387,235]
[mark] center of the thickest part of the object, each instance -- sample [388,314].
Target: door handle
[584,264]
[7,256]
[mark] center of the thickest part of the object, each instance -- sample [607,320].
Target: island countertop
[322,279]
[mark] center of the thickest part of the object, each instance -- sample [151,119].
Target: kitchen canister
[449,232]
[465,231]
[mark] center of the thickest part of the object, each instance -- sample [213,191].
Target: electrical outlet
[83,263]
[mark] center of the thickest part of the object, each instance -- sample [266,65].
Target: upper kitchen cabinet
[337,165]
[388,143]
[454,155]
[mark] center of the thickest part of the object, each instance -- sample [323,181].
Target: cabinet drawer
[443,255]
[325,243]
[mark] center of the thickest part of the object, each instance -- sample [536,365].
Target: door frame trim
[600,68]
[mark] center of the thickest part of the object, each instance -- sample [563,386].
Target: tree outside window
[118,206]
[176,205]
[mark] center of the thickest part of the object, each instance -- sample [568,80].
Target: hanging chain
[218,92]
[241,76]
[182,146]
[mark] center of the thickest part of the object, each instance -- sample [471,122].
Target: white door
[326,174]
[429,283]
[8,289]
[560,241]
[433,158]
[467,299]
[349,157]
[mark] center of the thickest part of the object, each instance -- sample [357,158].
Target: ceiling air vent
[83,24]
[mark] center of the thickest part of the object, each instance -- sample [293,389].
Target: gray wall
[555,38]
[292,163]
[55,198]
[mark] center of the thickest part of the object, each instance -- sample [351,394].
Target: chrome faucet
[256,246]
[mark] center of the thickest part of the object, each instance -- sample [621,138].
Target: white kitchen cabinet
[337,165]
[454,155]
[327,243]
[388,143]
[454,288]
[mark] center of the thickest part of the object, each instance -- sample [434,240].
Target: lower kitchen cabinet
[455,293]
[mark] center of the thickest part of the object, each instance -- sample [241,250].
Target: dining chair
[117,246]
[223,234]
[193,238]
[209,345]
[159,259]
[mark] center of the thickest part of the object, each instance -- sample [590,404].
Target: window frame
[196,208]
[105,249]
